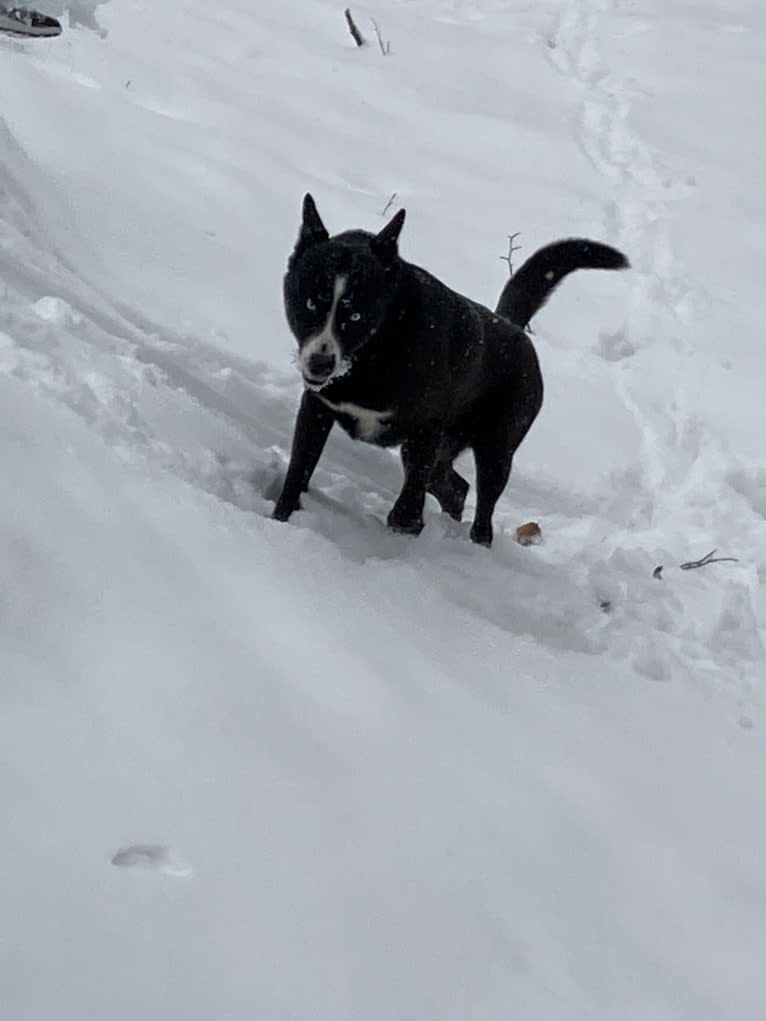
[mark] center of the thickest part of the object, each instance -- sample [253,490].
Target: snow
[316,770]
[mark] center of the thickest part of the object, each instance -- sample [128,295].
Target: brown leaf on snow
[529,534]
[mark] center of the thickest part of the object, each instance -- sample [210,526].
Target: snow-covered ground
[320,772]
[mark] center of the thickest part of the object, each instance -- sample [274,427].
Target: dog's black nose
[320,366]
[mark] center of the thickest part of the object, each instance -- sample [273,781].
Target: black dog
[396,357]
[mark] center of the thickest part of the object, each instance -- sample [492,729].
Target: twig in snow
[385,47]
[355,33]
[511,249]
[509,259]
[709,559]
[388,204]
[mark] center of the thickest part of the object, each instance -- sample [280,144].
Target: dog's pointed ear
[313,231]
[384,243]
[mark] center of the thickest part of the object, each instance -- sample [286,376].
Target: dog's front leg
[312,427]
[418,456]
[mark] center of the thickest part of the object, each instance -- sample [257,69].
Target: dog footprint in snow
[615,346]
[155,857]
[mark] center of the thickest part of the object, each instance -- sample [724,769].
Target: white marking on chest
[369,423]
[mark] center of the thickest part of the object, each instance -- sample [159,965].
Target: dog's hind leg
[449,488]
[493,450]
[495,442]
[444,483]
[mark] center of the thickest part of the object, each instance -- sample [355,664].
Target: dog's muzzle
[318,368]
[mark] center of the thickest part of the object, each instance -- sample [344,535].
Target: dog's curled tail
[530,286]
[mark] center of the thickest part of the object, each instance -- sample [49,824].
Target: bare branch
[388,204]
[509,259]
[355,33]
[511,249]
[385,47]
[710,558]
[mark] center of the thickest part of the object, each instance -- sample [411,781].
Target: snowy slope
[370,777]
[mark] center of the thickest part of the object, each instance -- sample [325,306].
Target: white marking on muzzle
[325,342]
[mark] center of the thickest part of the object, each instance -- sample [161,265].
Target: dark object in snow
[397,358]
[389,204]
[709,559]
[21,21]
[657,573]
[357,35]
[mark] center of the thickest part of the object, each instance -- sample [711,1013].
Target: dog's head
[338,292]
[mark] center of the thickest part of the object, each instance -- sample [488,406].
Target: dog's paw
[451,501]
[403,523]
[451,492]
[282,511]
[406,527]
[481,535]
[452,507]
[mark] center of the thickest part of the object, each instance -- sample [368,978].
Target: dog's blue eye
[310,305]
[355,317]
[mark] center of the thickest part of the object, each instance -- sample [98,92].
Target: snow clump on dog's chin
[343,368]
